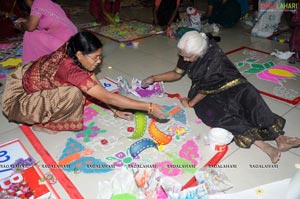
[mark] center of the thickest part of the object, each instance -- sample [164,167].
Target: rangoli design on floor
[79,159]
[274,77]
[124,31]
[103,136]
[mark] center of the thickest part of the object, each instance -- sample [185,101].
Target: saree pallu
[57,109]
[242,111]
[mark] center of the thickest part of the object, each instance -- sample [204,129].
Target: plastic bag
[268,20]
[194,18]
[213,179]
[123,86]
[198,192]
[122,182]
[218,138]
[282,55]
[293,188]
[148,180]
[170,185]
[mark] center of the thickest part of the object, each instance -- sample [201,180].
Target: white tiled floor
[159,54]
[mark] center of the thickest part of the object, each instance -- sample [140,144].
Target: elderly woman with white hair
[223,98]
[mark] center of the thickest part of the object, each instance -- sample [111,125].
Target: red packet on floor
[19,174]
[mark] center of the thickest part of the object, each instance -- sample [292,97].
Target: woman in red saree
[49,94]
[104,10]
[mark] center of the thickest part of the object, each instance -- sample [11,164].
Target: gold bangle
[115,113]
[150,108]
[189,104]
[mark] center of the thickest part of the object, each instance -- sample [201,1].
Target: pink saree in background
[54,29]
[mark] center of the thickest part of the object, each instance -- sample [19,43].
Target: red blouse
[55,70]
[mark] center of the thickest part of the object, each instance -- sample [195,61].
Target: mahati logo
[287,6]
[277,6]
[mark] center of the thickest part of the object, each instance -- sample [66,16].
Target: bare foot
[271,151]
[45,130]
[285,143]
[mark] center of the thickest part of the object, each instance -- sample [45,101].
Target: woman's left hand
[158,112]
[124,115]
[185,102]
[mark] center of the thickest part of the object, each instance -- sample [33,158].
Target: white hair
[193,43]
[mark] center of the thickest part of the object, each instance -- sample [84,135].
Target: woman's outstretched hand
[148,81]
[159,112]
[185,102]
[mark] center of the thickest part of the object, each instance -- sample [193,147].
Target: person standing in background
[295,37]
[9,12]
[105,11]
[223,12]
[165,12]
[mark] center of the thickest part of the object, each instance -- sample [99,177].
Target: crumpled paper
[149,183]
[173,189]
[147,179]
[156,89]
[282,55]
[136,88]
[123,86]
[197,192]
[213,179]
[157,186]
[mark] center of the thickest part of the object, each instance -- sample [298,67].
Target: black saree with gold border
[231,102]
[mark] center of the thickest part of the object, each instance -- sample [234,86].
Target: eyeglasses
[95,59]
